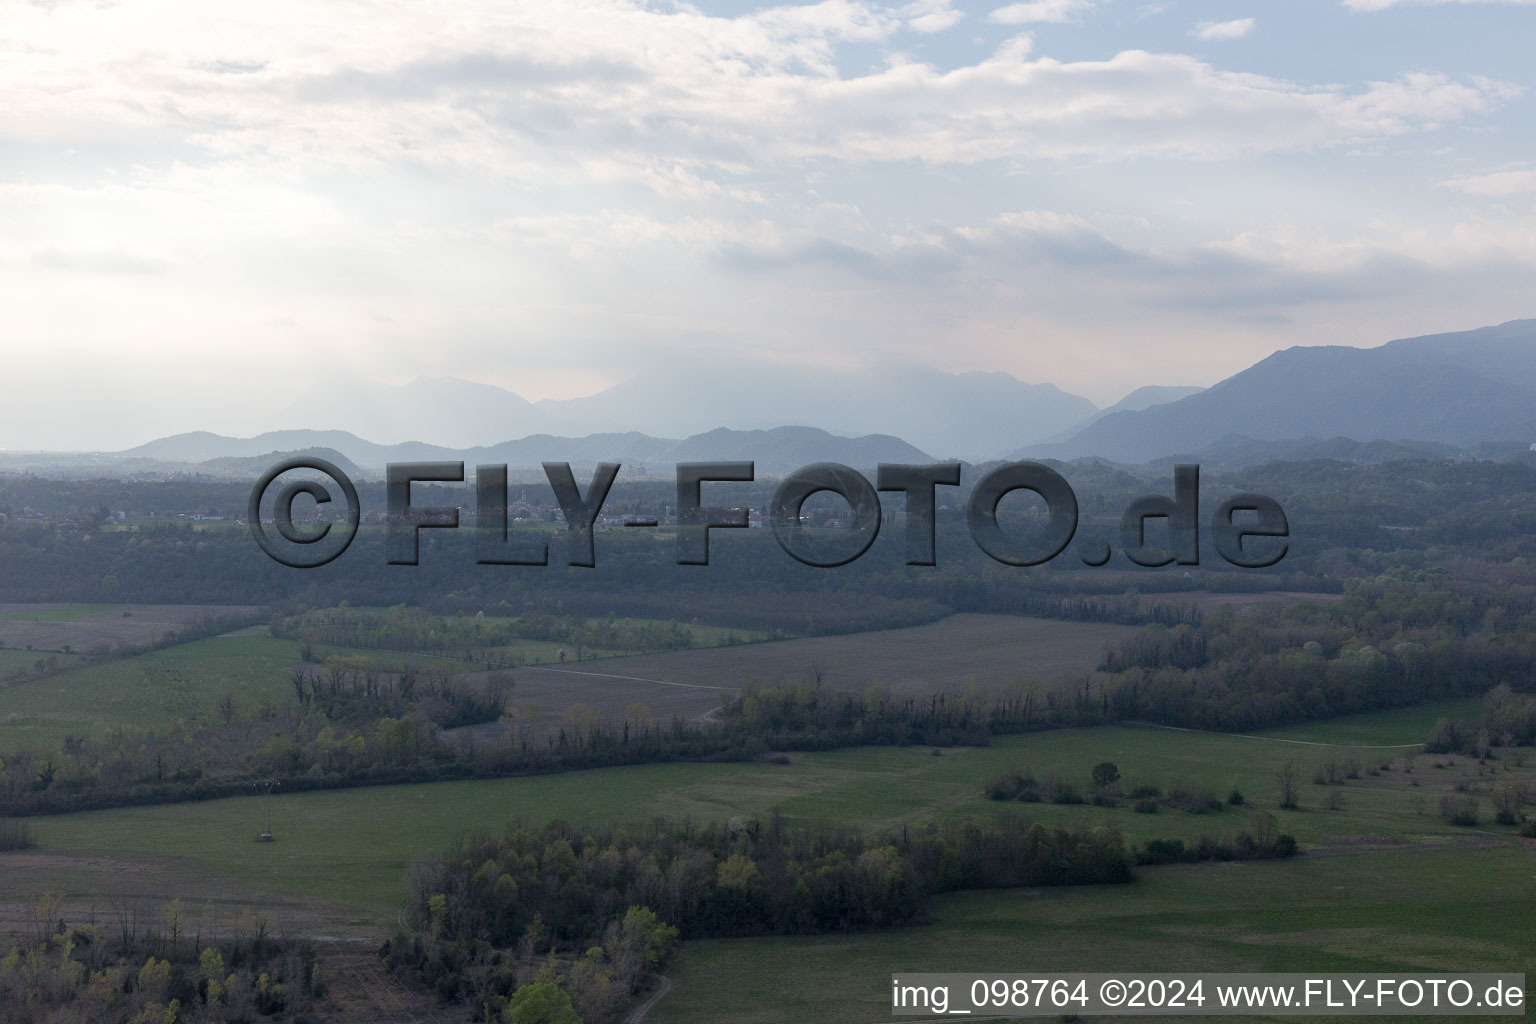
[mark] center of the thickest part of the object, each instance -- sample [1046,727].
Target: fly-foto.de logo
[1247,530]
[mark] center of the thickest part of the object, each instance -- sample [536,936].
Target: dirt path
[1275,739]
[633,679]
[663,986]
[1390,844]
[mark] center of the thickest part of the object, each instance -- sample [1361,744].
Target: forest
[599,908]
[155,972]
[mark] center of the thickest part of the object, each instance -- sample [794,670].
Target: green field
[1383,884]
[1400,912]
[353,846]
[1405,725]
[52,613]
[14,661]
[178,683]
[543,652]
[185,682]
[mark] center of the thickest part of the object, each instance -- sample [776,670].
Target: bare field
[985,649]
[554,690]
[115,628]
[103,887]
[989,650]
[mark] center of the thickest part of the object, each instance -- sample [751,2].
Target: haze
[207,210]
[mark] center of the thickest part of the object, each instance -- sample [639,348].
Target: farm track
[122,629]
[1272,739]
[637,679]
[637,1015]
[987,650]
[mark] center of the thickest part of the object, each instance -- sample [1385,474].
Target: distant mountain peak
[1460,389]
[776,451]
[969,414]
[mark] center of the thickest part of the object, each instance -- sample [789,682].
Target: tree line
[128,971]
[604,905]
[475,638]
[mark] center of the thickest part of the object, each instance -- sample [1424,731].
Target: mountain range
[1461,390]
[1436,396]
[949,414]
[776,452]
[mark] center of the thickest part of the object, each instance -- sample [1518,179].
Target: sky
[207,209]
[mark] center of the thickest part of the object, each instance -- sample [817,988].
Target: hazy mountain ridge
[1142,398]
[776,452]
[1458,389]
[970,414]
[1433,396]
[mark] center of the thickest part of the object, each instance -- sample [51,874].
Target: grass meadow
[1384,883]
[177,683]
[1390,912]
[352,847]
[52,612]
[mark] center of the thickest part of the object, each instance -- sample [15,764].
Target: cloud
[1081,255]
[1498,184]
[1040,11]
[1211,31]
[930,16]
[1018,286]
[580,182]
[677,100]
[1381,5]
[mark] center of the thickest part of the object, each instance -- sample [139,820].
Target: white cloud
[1498,184]
[930,16]
[575,181]
[1381,5]
[1210,31]
[1040,11]
[535,93]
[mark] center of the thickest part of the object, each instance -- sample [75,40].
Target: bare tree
[298,675]
[1286,778]
[1507,800]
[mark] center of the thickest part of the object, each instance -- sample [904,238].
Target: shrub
[1005,786]
[1459,808]
[1447,737]
[1507,800]
[1013,786]
[1162,851]
[15,835]
[1062,792]
[1194,799]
